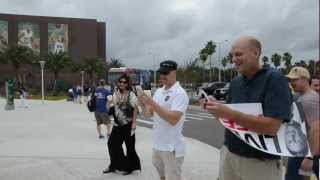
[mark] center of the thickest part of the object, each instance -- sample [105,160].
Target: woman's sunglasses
[123,82]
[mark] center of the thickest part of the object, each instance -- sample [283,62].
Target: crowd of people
[79,95]
[168,105]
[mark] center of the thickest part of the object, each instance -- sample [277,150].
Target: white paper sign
[291,139]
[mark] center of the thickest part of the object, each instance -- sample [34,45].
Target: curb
[193,107]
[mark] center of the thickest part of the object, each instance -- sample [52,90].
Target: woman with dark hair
[125,115]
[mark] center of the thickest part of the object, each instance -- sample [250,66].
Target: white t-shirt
[167,137]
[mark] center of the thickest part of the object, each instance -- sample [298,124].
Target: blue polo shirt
[101,99]
[271,89]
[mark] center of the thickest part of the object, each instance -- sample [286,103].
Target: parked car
[222,93]
[213,86]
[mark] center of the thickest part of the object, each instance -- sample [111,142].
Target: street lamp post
[219,58]
[154,67]
[154,71]
[42,81]
[82,90]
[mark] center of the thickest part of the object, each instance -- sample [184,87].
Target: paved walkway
[58,141]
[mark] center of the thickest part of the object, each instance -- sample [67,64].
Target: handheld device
[133,131]
[203,95]
[139,90]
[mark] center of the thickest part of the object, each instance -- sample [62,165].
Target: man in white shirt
[168,110]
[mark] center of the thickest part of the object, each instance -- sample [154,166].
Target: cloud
[145,32]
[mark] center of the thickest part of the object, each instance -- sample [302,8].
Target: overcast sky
[139,31]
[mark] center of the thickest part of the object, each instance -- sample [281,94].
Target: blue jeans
[316,165]
[293,168]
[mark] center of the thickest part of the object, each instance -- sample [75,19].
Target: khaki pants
[234,167]
[167,164]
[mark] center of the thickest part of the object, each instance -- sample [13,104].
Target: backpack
[91,104]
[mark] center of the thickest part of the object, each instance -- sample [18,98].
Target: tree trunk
[56,73]
[210,73]
[203,72]
[18,76]
[91,80]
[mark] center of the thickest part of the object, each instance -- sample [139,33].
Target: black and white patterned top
[120,101]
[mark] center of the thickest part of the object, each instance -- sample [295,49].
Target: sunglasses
[123,82]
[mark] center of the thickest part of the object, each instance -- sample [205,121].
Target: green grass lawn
[51,98]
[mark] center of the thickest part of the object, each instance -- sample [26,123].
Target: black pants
[120,161]
[316,165]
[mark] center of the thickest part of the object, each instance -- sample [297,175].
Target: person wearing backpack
[125,105]
[101,108]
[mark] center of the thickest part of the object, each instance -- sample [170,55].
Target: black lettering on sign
[236,133]
[275,141]
[248,137]
[263,144]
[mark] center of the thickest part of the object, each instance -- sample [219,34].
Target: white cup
[147,92]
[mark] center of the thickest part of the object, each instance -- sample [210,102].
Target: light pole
[154,71]
[154,68]
[82,90]
[42,81]
[219,60]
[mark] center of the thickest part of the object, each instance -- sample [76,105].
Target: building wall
[87,38]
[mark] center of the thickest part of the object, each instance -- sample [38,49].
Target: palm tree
[317,69]
[276,59]
[191,73]
[265,60]
[56,62]
[229,60]
[17,56]
[115,63]
[303,63]
[210,48]
[203,57]
[312,67]
[93,66]
[224,63]
[286,58]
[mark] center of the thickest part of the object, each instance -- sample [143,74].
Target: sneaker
[101,137]
[127,173]
[108,170]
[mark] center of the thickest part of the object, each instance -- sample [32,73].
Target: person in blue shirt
[101,112]
[74,93]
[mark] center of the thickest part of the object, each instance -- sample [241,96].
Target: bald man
[239,161]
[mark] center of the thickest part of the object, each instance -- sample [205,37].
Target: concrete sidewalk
[58,141]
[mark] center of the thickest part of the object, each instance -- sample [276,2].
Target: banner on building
[29,35]
[58,37]
[3,35]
